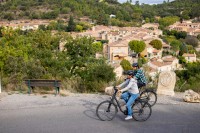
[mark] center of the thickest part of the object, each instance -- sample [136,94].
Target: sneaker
[128,117]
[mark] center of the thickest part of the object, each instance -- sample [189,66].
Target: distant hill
[126,13]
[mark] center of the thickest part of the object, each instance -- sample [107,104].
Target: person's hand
[120,91]
[117,87]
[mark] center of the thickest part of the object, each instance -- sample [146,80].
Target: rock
[166,83]
[191,96]
[109,91]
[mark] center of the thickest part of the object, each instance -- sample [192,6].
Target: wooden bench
[43,83]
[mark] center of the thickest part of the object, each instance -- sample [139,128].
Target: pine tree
[71,24]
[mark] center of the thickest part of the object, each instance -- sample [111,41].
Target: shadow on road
[90,109]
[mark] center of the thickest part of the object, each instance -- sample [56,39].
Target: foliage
[166,21]
[156,44]
[192,40]
[177,34]
[190,77]
[137,46]
[198,37]
[182,60]
[127,14]
[181,34]
[183,49]
[169,38]
[141,61]
[126,65]
[71,24]
[175,45]
[97,47]
[36,55]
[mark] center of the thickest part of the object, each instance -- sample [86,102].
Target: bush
[126,65]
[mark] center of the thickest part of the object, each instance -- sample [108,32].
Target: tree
[137,46]
[141,61]
[166,21]
[83,64]
[1,28]
[183,49]
[192,40]
[198,37]
[156,44]
[181,34]
[71,24]
[80,53]
[97,46]
[175,45]
[126,65]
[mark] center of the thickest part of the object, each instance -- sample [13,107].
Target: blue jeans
[129,98]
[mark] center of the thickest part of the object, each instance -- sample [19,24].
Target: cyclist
[131,92]
[139,75]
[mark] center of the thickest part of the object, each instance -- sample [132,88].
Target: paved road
[76,114]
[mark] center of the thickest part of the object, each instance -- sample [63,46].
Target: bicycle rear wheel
[106,111]
[141,110]
[151,96]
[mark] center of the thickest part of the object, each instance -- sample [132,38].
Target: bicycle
[108,109]
[149,94]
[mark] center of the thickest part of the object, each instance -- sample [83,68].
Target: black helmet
[135,65]
[130,72]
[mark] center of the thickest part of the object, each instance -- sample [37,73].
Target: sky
[145,1]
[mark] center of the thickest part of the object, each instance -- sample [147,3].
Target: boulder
[191,96]
[109,91]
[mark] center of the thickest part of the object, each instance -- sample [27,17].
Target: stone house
[117,50]
[151,52]
[190,57]
[167,63]
[187,26]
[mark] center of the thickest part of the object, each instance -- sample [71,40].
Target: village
[118,38]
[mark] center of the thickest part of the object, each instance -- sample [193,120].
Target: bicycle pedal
[125,112]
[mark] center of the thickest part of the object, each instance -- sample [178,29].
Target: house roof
[168,59]
[156,51]
[188,55]
[160,64]
[166,45]
[118,44]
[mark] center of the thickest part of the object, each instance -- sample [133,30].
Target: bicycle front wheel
[141,111]
[150,96]
[106,111]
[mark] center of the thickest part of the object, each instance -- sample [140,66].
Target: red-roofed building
[190,57]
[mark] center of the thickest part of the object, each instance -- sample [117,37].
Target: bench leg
[30,88]
[57,90]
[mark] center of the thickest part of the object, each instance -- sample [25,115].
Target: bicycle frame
[113,98]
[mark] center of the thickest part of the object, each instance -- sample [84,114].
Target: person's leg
[130,102]
[125,96]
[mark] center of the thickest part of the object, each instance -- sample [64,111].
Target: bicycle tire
[106,113]
[150,95]
[141,111]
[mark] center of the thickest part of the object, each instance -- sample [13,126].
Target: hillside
[99,10]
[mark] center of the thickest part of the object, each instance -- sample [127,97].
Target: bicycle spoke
[106,111]
[141,111]
[150,96]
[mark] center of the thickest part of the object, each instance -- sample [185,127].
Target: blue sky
[146,1]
